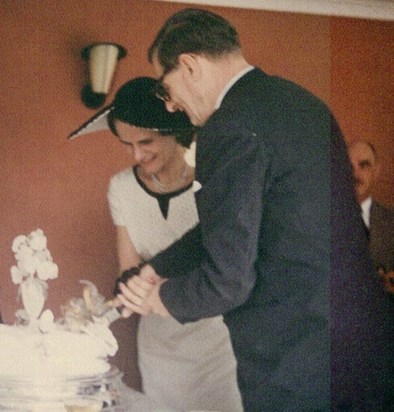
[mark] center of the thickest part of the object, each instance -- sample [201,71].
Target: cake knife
[115,313]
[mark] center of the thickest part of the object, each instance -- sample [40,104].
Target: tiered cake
[54,365]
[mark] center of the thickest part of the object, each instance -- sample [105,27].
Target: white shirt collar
[366,210]
[228,86]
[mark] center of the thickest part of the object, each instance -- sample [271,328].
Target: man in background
[378,218]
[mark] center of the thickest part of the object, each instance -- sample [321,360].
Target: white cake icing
[37,346]
[28,353]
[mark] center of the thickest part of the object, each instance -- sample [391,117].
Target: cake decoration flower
[18,241]
[34,266]
[46,322]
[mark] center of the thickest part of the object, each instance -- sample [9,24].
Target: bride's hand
[142,296]
[148,273]
[134,296]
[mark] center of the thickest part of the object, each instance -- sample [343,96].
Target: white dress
[184,367]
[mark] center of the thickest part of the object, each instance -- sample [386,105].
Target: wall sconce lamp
[102,58]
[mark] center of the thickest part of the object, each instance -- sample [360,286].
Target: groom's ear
[192,64]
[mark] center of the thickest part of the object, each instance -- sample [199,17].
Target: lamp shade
[102,59]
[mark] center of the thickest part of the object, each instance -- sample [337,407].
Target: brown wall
[60,186]
[362,89]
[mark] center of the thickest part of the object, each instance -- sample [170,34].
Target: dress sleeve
[114,201]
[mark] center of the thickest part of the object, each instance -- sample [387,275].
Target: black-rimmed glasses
[161,91]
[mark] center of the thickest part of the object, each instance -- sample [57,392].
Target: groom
[280,250]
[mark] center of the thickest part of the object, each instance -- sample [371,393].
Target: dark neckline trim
[160,196]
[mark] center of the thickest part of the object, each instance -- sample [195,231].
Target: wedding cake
[48,364]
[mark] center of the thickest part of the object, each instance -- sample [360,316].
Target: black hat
[136,103]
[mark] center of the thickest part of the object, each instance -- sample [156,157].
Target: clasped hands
[140,294]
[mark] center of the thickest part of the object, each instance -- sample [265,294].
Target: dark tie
[366,228]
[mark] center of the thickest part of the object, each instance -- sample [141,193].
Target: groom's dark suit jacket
[281,251]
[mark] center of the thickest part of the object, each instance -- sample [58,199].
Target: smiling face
[365,168]
[152,151]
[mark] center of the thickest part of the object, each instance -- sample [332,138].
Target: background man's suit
[279,228]
[381,235]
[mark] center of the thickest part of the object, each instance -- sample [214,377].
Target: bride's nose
[138,154]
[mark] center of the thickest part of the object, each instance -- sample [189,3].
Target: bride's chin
[147,170]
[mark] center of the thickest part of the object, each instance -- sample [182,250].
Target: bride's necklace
[162,188]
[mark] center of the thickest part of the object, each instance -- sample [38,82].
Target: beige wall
[60,186]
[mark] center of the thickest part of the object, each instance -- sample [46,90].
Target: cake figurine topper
[79,312]
[34,266]
[87,315]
